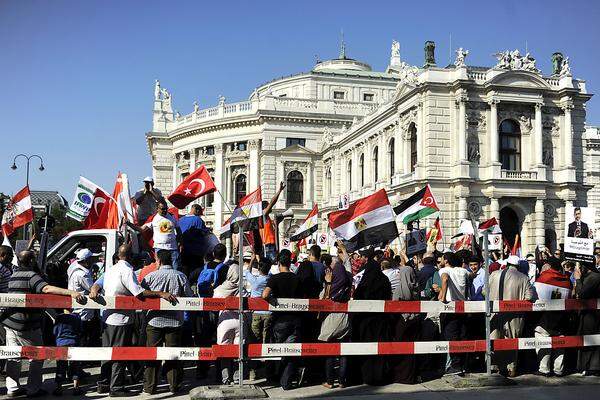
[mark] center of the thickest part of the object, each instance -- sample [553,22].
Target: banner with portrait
[579,233]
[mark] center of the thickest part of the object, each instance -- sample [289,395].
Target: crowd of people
[367,274]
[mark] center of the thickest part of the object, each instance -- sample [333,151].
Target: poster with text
[416,242]
[579,233]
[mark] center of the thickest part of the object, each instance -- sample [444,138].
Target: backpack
[207,279]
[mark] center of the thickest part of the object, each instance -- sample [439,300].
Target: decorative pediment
[296,149]
[521,79]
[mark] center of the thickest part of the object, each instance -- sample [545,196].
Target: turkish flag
[96,219]
[197,184]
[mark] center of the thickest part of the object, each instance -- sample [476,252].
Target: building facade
[504,141]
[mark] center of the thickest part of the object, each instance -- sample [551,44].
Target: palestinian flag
[553,284]
[435,233]
[367,221]
[308,227]
[417,206]
[491,225]
[248,212]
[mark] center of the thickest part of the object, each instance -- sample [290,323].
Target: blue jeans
[175,258]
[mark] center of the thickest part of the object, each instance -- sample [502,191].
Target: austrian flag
[367,221]
[18,212]
[308,227]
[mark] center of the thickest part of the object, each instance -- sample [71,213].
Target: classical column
[310,189]
[539,222]
[462,208]
[494,208]
[493,130]
[420,135]
[461,101]
[192,160]
[174,174]
[568,134]
[253,166]
[218,175]
[398,151]
[538,135]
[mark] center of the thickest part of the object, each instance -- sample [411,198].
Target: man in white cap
[508,284]
[147,200]
[80,280]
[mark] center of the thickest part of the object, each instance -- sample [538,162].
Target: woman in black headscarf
[372,327]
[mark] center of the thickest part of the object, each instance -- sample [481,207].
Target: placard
[416,242]
[579,233]
[495,241]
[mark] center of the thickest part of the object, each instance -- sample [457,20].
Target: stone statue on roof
[461,54]
[196,108]
[529,63]
[156,90]
[565,69]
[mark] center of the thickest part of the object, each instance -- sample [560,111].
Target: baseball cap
[83,254]
[247,255]
[513,260]
[148,179]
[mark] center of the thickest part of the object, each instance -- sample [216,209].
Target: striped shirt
[167,279]
[24,319]
[5,273]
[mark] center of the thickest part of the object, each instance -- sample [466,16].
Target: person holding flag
[267,226]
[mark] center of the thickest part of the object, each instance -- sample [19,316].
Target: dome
[340,64]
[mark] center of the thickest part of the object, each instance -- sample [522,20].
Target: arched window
[510,145]
[375,164]
[349,171]
[295,188]
[391,156]
[361,167]
[412,131]
[240,187]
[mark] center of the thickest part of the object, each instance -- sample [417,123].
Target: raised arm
[267,210]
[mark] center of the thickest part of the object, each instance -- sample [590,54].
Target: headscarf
[309,286]
[230,286]
[341,283]
[374,285]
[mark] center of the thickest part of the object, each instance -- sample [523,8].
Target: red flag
[18,212]
[119,206]
[197,184]
[93,220]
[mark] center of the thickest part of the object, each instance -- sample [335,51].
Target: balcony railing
[518,175]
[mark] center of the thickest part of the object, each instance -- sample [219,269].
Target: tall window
[510,145]
[412,130]
[361,167]
[240,187]
[295,188]
[349,170]
[391,156]
[328,181]
[375,164]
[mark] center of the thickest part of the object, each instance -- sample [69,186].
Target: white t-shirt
[164,232]
[120,280]
[457,283]
[393,274]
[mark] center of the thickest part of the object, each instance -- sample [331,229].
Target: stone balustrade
[518,175]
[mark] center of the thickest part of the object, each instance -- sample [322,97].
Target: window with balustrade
[510,145]
[295,188]
[412,132]
[240,187]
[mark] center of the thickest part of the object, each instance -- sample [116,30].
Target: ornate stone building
[504,141]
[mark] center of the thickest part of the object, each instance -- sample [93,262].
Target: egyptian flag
[18,212]
[417,206]
[248,212]
[552,284]
[197,184]
[367,221]
[308,227]
[225,230]
[435,233]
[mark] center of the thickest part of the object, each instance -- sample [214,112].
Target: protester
[508,284]
[23,325]
[193,239]
[261,320]
[165,327]
[335,327]
[314,256]
[286,325]
[454,288]
[147,200]
[119,280]
[267,227]
[426,271]
[6,270]
[68,331]
[477,279]
[80,280]
[369,327]
[587,286]
[552,284]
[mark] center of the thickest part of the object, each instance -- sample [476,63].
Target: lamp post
[14,167]
[28,158]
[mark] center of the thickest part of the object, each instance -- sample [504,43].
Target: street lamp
[28,158]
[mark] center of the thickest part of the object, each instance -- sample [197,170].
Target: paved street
[528,387]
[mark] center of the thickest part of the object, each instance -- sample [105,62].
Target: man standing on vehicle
[147,200]
[80,280]
[193,239]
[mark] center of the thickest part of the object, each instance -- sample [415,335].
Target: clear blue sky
[77,76]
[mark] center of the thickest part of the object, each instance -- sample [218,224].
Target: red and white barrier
[296,305]
[291,349]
